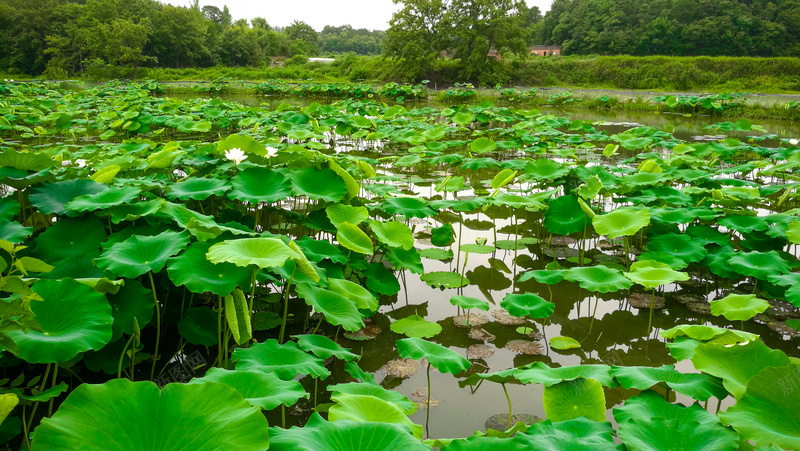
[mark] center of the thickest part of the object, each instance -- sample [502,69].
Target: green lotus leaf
[760,265]
[707,234]
[353,187]
[263,252]
[27,161]
[140,254]
[467,302]
[664,257]
[323,347]
[624,221]
[408,259]
[564,216]
[792,232]
[444,279]
[351,237]
[527,304]
[318,250]
[672,215]
[339,213]
[107,198]
[682,348]
[742,223]
[476,248]
[548,276]
[768,411]
[367,408]
[648,422]
[683,247]
[14,232]
[244,143]
[736,364]
[8,209]
[284,360]
[578,434]
[53,197]
[199,326]
[600,279]
[441,358]
[132,301]
[361,296]
[338,309]
[393,234]
[377,391]
[264,390]
[541,373]
[7,403]
[706,333]
[529,203]
[498,377]
[697,386]
[344,435]
[193,270]
[436,254]
[71,237]
[580,397]
[415,326]
[545,169]
[132,416]
[482,145]
[381,280]
[642,179]
[652,274]
[410,207]
[317,183]
[258,184]
[480,163]
[73,319]
[738,307]
[198,188]
[563,343]
[133,211]
[202,226]
[443,235]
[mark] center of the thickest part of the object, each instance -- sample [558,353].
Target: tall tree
[417,35]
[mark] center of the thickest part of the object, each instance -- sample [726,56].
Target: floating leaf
[738,307]
[263,252]
[441,358]
[415,326]
[621,222]
[527,304]
[562,343]
[466,302]
[575,398]
[444,279]
[698,386]
[140,254]
[285,360]
[367,408]
[324,348]
[564,216]
[265,390]
[600,279]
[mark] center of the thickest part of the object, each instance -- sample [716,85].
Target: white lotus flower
[271,151]
[793,142]
[236,155]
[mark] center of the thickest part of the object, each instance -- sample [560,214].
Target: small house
[545,50]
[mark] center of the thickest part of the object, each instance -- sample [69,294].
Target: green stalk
[41,389]
[252,296]
[508,424]
[652,306]
[286,305]
[428,406]
[219,331]
[158,323]
[52,384]
[122,357]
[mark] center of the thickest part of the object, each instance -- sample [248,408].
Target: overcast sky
[370,14]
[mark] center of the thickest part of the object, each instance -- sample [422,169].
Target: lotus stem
[252,296]
[458,250]
[283,416]
[285,305]
[428,405]
[652,306]
[508,424]
[219,330]
[316,328]
[41,389]
[158,324]
[122,357]
[25,429]
[52,384]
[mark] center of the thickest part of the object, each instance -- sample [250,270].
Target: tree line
[70,35]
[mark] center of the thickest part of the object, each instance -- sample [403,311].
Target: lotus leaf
[324,348]
[408,259]
[742,223]
[760,265]
[444,279]
[259,184]
[706,333]
[139,254]
[338,309]
[578,434]
[107,198]
[527,304]
[564,216]
[410,207]
[571,399]
[380,280]
[540,373]
[563,343]
[377,391]
[678,246]
[264,390]
[351,237]
[415,326]
[738,307]
[652,274]
[71,237]
[285,360]
[545,169]
[621,222]
[466,302]
[199,326]
[361,296]
[198,188]
[53,197]
[548,276]
[339,213]
[735,364]
[263,252]
[132,301]
[316,183]
[441,358]
[443,235]
[600,279]
[368,408]
[697,386]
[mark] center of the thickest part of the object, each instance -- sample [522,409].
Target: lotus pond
[201,274]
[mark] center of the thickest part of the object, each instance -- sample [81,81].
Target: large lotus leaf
[738,307]
[199,275]
[71,237]
[415,326]
[527,304]
[541,373]
[564,216]
[140,254]
[393,234]
[548,276]
[199,326]
[467,302]
[317,183]
[649,423]
[545,169]
[361,296]
[759,264]
[110,197]
[265,390]
[441,358]
[133,211]
[258,184]
[324,348]
[354,388]
[381,280]
[367,408]
[683,247]
[263,252]
[515,201]
[696,386]
[672,215]
[132,301]
[769,410]
[742,223]
[706,333]
[198,188]
[27,161]
[14,232]
[351,237]
[344,435]
[244,143]
[137,416]
[498,377]
[410,207]
[580,397]
[339,213]
[707,234]
[285,360]
[642,179]
[600,279]
[74,318]
[578,434]
[444,279]
[406,259]
[318,250]
[443,235]
[736,364]
[564,343]
[338,309]
[793,232]
[480,163]
[53,197]
[621,222]
[652,274]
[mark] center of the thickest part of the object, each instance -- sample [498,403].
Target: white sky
[369,14]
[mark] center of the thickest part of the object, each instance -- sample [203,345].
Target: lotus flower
[236,155]
[793,142]
[271,151]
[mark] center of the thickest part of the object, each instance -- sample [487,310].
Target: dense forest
[675,27]
[51,36]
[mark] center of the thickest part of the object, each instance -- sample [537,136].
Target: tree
[303,32]
[418,35]
[260,23]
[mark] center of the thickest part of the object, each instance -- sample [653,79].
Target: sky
[369,14]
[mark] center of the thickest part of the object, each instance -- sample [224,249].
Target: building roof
[545,47]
